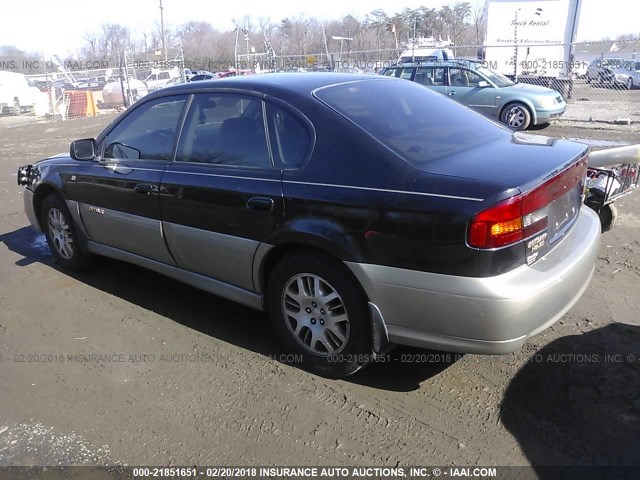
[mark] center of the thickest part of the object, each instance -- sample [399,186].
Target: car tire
[16,106]
[319,313]
[608,217]
[629,83]
[61,235]
[516,116]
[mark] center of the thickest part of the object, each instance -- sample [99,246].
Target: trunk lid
[520,161]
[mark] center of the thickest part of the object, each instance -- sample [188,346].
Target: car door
[118,195]
[464,87]
[223,195]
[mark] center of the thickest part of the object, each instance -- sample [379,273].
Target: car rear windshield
[416,123]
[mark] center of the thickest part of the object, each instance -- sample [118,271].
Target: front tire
[319,312]
[61,235]
[630,83]
[516,116]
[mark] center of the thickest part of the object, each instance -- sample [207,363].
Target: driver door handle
[260,203]
[145,189]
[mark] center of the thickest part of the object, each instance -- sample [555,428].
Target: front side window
[225,129]
[147,132]
[458,77]
[474,79]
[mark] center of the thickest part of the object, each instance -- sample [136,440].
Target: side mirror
[84,149]
[483,84]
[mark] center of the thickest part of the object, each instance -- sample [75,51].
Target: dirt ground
[121,365]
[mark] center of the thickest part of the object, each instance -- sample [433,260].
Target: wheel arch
[268,256]
[42,191]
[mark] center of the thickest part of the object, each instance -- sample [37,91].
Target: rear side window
[148,132]
[225,129]
[418,124]
[430,76]
[290,137]
[400,73]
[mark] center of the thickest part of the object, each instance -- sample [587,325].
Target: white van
[16,95]
[419,55]
[426,49]
[159,78]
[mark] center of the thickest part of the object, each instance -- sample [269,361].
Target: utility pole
[164,40]
[342,39]
[326,47]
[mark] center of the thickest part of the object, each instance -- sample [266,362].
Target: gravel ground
[118,365]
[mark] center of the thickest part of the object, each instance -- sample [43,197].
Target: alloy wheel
[60,233]
[515,117]
[315,314]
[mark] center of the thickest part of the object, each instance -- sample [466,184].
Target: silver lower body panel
[230,292]
[492,315]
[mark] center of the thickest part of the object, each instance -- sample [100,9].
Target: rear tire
[608,217]
[57,224]
[516,116]
[16,106]
[630,83]
[319,312]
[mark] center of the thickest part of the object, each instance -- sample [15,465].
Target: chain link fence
[600,80]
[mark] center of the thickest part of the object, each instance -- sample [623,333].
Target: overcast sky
[57,26]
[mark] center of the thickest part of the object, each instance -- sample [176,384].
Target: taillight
[519,217]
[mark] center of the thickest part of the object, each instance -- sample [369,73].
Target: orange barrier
[81,104]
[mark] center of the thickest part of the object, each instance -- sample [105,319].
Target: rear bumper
[493,315]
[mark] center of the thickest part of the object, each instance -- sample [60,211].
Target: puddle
[29,243]
[40,246]
[599,143]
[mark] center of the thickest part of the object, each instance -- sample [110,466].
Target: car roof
[301,84]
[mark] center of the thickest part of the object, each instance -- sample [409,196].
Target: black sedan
[358,211]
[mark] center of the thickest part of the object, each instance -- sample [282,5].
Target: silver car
[516,105]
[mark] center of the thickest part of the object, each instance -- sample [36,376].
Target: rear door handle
[260,203]
[451,94]
[145,189]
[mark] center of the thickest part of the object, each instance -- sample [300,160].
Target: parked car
[626,75]
[595,70]
[204,76]
[16,95]
[159,78]
[516,105]
[234,73]
[579,69]
[172,82]
[358,211]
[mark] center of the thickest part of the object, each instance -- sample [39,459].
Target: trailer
[612,174]
[531,41]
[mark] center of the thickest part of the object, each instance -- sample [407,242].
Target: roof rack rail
[463,62]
